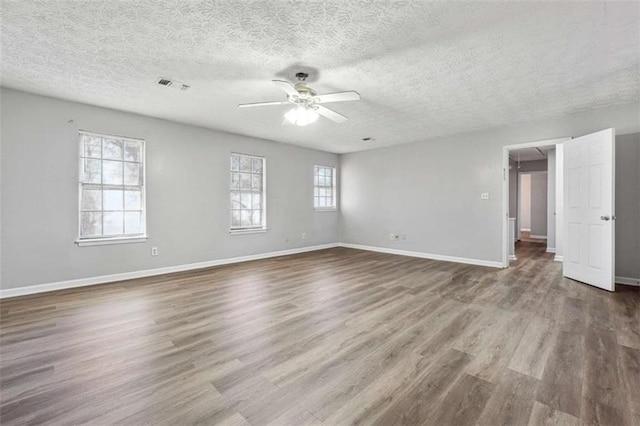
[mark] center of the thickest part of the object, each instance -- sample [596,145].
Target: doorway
[584,206]
[533,200]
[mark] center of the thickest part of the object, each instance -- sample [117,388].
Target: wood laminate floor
[339,336]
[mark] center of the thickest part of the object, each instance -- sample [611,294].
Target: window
[112,196]
[247,193]
[324,188]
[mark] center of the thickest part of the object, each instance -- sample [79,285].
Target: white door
[589,209]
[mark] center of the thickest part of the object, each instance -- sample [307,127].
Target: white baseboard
[551,250]
[525,230]
[557,258]
[103,279]
[538,237]
[628,281]
[422,255]
[512,257]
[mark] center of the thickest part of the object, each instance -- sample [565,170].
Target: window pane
[235,218]
[133,223]
[91,224]
[91,199]
[235,180]
[256,165]
[92,146]
[132,200]
[323,202]
[245,200]
[256,218]
[245,164]
[112,172]
[103,207]
[235,200]
[245,181]
[245,217]
[113,199]
[256,201]
[132,175]
[256,182]
[112,149]
[235,163]
[132,151]
[113,223]
[92,171]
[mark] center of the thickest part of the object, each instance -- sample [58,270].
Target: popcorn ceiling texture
[424,69]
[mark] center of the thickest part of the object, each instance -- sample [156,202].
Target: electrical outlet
[392,237]
[154,251]
[304,235]
[484,196]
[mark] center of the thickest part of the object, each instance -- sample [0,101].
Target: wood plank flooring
[334,337]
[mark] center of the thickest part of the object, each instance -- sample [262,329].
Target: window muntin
[111,187]
[324,188]
[247,192]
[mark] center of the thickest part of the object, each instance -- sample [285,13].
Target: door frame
[505,189]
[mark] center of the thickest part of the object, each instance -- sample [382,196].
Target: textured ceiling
[423,69]
[530,154]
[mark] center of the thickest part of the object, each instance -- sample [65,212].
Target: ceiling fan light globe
[301,116]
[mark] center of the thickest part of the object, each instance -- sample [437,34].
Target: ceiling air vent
[178,85]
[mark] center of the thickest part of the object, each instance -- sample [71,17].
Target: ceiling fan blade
[257,104]
[339,97]
[287,87]
[286,122]
[330,114]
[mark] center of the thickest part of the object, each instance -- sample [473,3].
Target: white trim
[107,241]
[480,262]
[557,258]
[525,230]
[628,281]
[538,237]
[241,231]
[82,282]
[551,250]
[512,257]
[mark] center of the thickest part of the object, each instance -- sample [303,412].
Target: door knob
[604,217]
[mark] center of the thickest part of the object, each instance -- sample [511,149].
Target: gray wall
[539,204]
[187,193]
[628,206]
[431,190]
[551,200]
[524,192]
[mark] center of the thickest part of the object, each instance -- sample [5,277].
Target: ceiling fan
[306,102]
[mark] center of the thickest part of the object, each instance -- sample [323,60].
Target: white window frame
[334,207]
[115,239]
[263,198]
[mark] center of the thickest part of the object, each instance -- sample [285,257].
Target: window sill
[329,209]
[248,231]
[109,241]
